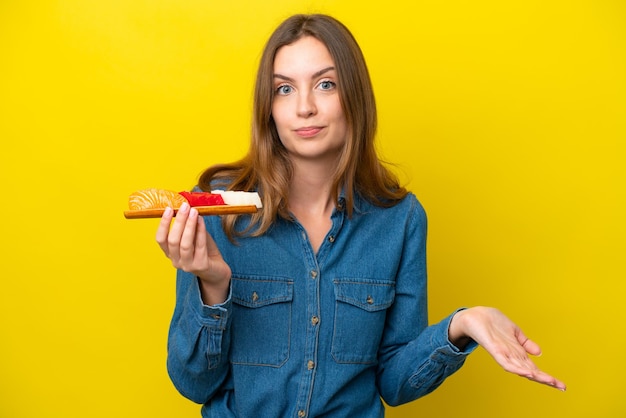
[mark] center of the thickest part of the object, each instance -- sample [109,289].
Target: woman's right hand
[189,246]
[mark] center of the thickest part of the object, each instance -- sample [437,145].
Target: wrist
[457,334]
[213,293]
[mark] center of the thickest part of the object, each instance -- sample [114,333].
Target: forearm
[419,367]
[198,342]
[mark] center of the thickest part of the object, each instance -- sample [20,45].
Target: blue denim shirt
[311,335]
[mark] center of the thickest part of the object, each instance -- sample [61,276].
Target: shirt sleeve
[198,342]
[414,358]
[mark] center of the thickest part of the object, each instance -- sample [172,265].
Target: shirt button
[310,365]
[331,238]
[369,300]
[255,296]
[301,414]
[313,274]
[315,320]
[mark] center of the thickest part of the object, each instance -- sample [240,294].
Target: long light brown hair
[267,169]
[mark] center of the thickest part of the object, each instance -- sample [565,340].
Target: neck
[312,189]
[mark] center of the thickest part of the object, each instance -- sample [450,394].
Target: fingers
[514,359]
[200,236]
[546,379]
[529,345]
[535,374]
[164,229]
[518,362]
[176,236]
[187,240]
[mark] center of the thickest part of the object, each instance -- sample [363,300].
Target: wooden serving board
[202,210]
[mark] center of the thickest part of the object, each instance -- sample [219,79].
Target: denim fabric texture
[315,335]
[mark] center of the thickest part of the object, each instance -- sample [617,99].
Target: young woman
[315,306]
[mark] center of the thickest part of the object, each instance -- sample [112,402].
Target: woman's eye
[284,89]
[327,85]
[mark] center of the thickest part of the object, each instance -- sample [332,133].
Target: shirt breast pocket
[261,321]
[360,313]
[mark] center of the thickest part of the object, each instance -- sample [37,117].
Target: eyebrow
[315,75]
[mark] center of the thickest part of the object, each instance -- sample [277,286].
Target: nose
[306,105]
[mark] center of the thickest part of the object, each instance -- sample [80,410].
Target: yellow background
[507,118]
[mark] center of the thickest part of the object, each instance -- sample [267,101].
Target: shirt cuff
[212,316]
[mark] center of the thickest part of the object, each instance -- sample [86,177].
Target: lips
[308,131]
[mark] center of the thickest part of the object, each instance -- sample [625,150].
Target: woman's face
[306,107]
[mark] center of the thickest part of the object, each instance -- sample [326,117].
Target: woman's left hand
[502,339]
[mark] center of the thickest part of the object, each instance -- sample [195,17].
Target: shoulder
[406,218]
[413,212]
[413,205]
